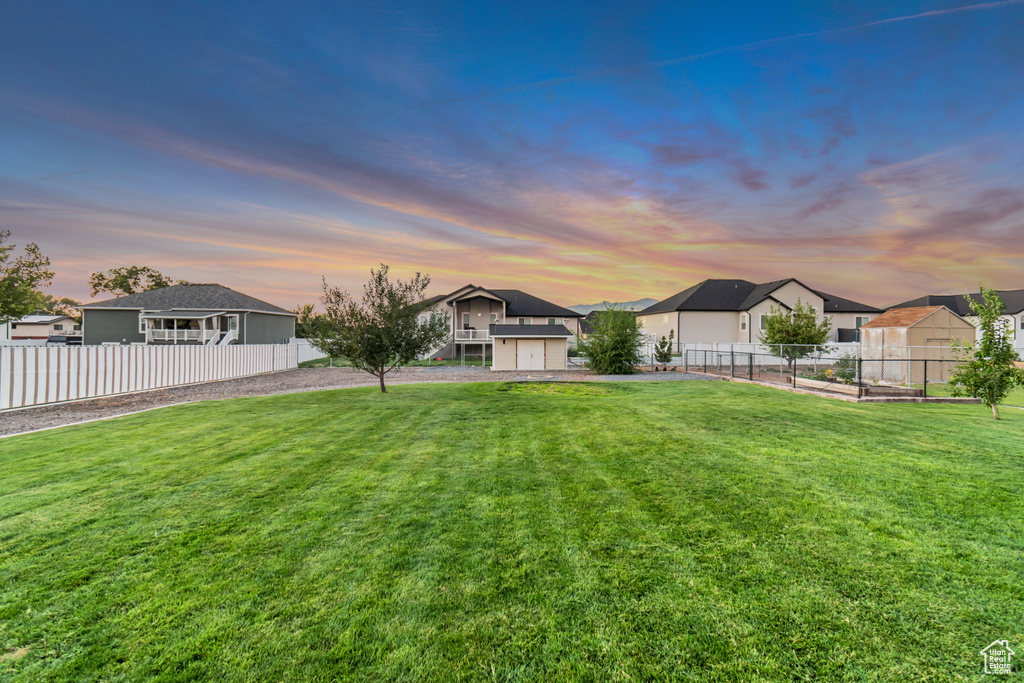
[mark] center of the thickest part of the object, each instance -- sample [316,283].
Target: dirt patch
[14,656]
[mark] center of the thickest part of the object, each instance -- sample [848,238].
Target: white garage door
[530,354]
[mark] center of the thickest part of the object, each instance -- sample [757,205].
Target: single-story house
[481,319]
[1013,312]
[209,314]
[735,311]
[41,327]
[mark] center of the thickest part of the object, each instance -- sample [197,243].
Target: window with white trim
[743,321]
[862,320]
[465,321]
[526,321]
[494,318]
[142,325]
[764,322]
[553,321]
[58,328]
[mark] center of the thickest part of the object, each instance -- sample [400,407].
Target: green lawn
[700,531]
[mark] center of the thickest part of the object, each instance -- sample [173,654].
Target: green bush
[613,348]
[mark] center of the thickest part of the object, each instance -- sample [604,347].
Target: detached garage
[530,347]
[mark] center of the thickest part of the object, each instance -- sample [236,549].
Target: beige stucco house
[41,328]
[518,331]
[735,311]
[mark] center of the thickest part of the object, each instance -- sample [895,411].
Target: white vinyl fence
[37,375]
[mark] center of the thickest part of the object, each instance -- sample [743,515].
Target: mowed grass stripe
[700,531]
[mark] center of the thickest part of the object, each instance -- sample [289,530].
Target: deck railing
[472,335]
[201,336]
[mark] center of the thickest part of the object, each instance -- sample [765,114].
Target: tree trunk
[383,390]
[995,411]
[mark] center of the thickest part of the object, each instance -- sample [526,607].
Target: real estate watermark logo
[997,657]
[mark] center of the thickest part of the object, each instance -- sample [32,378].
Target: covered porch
[189,327]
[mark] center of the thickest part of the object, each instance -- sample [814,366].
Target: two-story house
[518,331]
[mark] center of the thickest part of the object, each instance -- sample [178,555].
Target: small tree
[306,322]
[987,370]
[59,306]
[20,279]
[614,345]
[795,334]
[129,280]
[663,349]
[382,331]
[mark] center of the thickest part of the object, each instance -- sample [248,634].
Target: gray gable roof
[1013,300]
[522,304]
[519,303]
[742,295]
[191,297]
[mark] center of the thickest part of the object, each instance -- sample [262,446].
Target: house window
[764,322]
[743,321]
[862,320]
[494,318]
[465,321]
[526,321]
[77,328]
[142,325]
[552,321]
[58,328]
[424,319]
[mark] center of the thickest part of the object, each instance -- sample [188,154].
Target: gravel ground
[290,381]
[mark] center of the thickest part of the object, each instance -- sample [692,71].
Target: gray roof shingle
[529,331]
[191,297]
[742,295]
[1013,300]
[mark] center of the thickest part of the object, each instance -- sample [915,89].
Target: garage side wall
[554,354]
[504,354]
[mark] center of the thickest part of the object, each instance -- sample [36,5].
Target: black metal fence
[846,375]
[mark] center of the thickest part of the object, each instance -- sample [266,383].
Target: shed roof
[190,297]
[902,317]
[532,331]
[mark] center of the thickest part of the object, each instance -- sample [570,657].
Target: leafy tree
[987,370]
[382,331]
[129,280]
[663,349]
[307,320]
[614,345]
[20,278]
[63,306]
[795,334]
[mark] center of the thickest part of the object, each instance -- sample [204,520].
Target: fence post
[860,378]
[686,359]
[732,363]
[924,393]
[705,361]
[794,373]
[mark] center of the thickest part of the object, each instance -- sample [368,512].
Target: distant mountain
[637,305]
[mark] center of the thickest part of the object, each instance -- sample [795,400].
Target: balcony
[181,336]
[472,336]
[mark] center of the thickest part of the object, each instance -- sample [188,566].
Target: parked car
[65,340]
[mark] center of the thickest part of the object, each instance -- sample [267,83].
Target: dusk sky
[579,151]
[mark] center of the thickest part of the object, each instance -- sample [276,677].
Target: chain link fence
[867,374]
